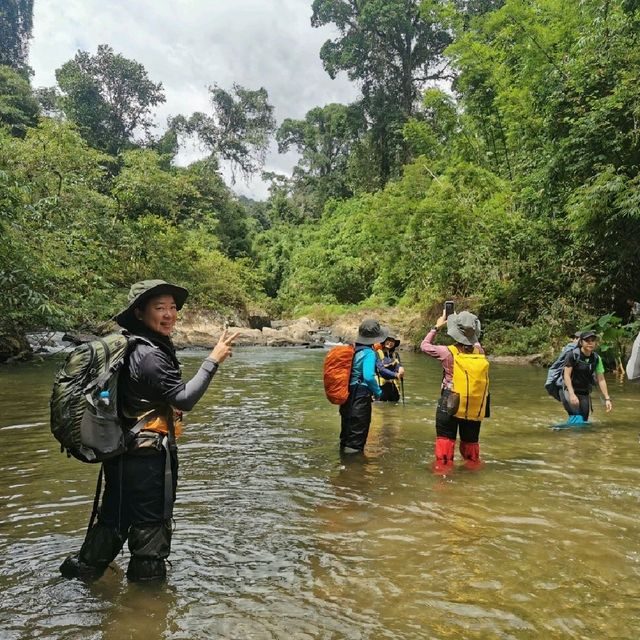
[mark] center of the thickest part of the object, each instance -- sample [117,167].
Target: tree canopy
[391,48]
[238,130]
[109,97]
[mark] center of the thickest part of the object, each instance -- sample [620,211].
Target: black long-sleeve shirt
[152,379]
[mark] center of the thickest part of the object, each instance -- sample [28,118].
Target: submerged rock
[14,348]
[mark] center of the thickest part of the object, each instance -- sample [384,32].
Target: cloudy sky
[191,44]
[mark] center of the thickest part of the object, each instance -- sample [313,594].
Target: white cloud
[191,44]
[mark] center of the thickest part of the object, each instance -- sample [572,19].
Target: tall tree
[550,87]
[391,48]
[324,140]
[16,23]
[108,96]
[18,107]
[239,129]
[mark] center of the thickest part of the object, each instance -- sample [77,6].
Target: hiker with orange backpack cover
[464,328]
[355,413]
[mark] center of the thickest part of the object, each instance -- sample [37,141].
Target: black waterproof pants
[390,392]
[355,419]
[133,508]
[583,408]
[447,426]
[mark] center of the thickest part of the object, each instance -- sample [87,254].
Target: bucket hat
[370,332]
[142,291]
[464,327]
[390,336]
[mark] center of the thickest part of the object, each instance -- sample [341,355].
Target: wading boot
[470,452]
[99,548]
[149,544]
[445,449]
[73,567]
[350,450]
[146,570]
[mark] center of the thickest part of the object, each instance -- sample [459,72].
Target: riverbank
[201,329]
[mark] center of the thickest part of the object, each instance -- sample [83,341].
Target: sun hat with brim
[464,327]
[395,340]
[370,332]
[144,290]
[588,334]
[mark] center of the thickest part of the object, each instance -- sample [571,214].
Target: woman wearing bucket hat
[583,368]
[355,413]
[464,328]
[389,370]
[140,485]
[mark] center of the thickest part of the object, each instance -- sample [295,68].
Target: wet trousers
[133,509]
[447,428]
[355,419]
[390,392]
[583,408]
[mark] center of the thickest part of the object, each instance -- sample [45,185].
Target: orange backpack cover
[336,373]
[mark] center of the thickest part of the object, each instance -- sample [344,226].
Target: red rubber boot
[445,449]
[470,452]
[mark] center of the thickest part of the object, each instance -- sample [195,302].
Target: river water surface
[277,538]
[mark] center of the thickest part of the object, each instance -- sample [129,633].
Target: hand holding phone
[448,308]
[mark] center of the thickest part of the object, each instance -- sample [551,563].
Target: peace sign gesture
[224,348]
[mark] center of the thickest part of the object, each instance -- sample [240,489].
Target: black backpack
[84,400]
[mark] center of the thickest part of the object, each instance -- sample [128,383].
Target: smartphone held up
[448,308]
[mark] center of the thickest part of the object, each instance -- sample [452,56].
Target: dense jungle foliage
[492,158]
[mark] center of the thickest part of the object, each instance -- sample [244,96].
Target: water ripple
[277,538]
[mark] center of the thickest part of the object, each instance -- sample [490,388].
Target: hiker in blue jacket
[355,414]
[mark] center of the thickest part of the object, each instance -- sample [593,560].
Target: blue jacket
[363,371]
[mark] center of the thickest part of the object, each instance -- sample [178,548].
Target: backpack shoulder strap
[134,340]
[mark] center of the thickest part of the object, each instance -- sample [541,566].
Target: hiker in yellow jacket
[464,398]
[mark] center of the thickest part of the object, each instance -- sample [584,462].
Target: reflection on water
[277,537]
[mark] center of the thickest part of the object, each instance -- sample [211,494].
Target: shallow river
[277,538]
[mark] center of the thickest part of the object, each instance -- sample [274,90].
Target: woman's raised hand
[224,348]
